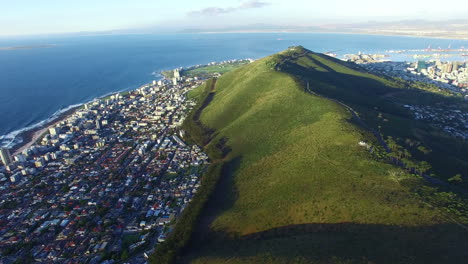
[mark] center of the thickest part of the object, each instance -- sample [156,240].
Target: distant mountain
[253,28]
[423,28]
[320,162]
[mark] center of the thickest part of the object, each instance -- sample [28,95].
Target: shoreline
[31,136]
[372,33]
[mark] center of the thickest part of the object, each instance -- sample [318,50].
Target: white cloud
[215,11]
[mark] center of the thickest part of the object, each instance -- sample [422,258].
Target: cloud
[212,11]
[253,4]
[216,11]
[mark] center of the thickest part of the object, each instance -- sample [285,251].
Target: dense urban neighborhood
[451,120]
[104,184]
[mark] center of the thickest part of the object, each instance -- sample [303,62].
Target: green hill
[297,187]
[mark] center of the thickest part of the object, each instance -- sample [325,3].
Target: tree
[124,255]
[457,178]
[423,167]
[424,150]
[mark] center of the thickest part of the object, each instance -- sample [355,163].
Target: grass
[213,69]
[373,96]
[295,186]
[208,71]
[196,94]
[130,239]
[295,148]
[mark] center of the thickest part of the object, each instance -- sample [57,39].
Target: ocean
[38,83]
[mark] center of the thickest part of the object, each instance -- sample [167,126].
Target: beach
[31,136]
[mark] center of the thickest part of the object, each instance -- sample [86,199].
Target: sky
[36,17]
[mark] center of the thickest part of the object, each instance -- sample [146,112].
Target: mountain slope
[297,186]
[380,103]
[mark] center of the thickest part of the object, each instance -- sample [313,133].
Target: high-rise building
[176,73]
[449,67]
[5,156]
[431,71]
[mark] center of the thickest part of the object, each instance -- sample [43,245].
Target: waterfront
[105,180]
[38,83]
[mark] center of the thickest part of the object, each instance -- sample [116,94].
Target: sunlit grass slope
[301,187]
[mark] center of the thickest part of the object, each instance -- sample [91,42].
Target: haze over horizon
[30,17]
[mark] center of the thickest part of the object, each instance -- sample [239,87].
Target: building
[54,131]
[5,156]
[448,67]
[20,158]
[39,162]
[421,65]
[15,178]
[176,73]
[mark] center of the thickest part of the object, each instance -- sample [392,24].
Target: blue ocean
[38,83]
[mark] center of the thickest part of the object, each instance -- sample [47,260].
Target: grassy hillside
[296,187]
[380,104]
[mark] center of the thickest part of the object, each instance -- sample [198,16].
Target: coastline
[32,135]
[29,137]
[449,36]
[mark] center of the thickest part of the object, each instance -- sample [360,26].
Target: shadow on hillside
[347,243]
[370,98]
[223,198]
[205,103]
[352,89]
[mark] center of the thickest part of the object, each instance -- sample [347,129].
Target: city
[105,183]
[450,75]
